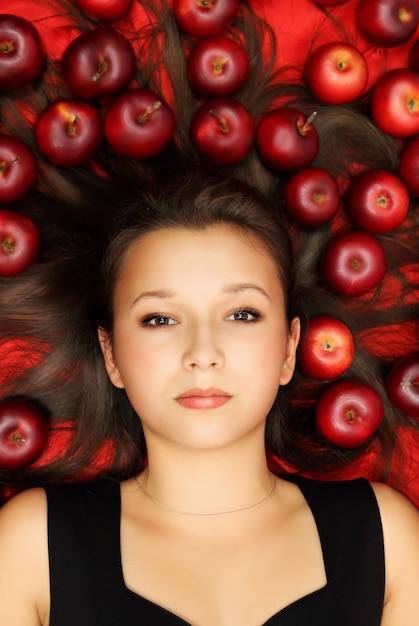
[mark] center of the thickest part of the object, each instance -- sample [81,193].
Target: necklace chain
[168,508]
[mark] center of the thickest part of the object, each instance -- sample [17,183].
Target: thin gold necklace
[168,508]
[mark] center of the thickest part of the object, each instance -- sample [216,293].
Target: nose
[203,350]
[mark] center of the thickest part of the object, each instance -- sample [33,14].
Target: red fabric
[300,26]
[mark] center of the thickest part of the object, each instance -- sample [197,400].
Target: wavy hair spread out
[89,215]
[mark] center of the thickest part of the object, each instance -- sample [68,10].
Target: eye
[244,315]
[158,320]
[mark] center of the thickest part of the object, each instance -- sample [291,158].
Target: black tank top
[87,585]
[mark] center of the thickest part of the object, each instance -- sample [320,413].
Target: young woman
[194,311]
[164,316]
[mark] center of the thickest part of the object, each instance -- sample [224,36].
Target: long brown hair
[88,215]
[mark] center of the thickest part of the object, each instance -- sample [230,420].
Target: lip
[210,398]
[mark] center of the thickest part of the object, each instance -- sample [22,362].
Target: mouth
[203,398]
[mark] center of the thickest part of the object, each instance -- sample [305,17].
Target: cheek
[269,349]
[143,368]
[138,367]
[261,364]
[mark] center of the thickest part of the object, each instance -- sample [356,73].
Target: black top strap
[350,530]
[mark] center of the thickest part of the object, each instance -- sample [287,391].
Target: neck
[207,482]
[229,511]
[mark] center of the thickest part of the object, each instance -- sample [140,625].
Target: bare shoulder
[400,520]
[24,572]
[24,516]
[397,512]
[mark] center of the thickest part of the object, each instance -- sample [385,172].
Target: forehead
[212,256]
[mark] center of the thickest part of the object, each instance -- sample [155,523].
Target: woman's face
[201,342]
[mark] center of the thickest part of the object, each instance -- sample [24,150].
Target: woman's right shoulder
[24,567]
[25,513]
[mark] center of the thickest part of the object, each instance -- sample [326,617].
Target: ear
[290,355]
[108,357]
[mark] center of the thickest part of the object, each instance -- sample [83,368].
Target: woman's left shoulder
[395,507]
[400,520]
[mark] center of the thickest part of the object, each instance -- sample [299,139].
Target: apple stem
[16,437]
[8,245]
[350,414]
[141,119]
[307,123]
[207,4]
[404,15]
[409,383]
[356,264]
[102,67]
[223,122]
[7,46]
[72,127]
[319,197]
[4,165]
[218,65]
[412,105]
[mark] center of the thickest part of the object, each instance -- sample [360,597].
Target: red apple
[336,72]
[23,433]
[21,52]
[377,201]
[353,263]
[69,132]
[18,169]
[105,10]
[98,63]
[205,18]
[402,385]
[387,22]
[409,166]
[218,67]
[312,197]
[327,349]
[287,140]
[348,413]
[394,103]
[223,131]
[139,124]
[19,243]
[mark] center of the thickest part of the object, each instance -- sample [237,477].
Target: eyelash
[147,321]
[255,315]
[155,316]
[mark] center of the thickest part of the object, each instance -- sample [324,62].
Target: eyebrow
[239,287]
[158,293]
[170,293]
